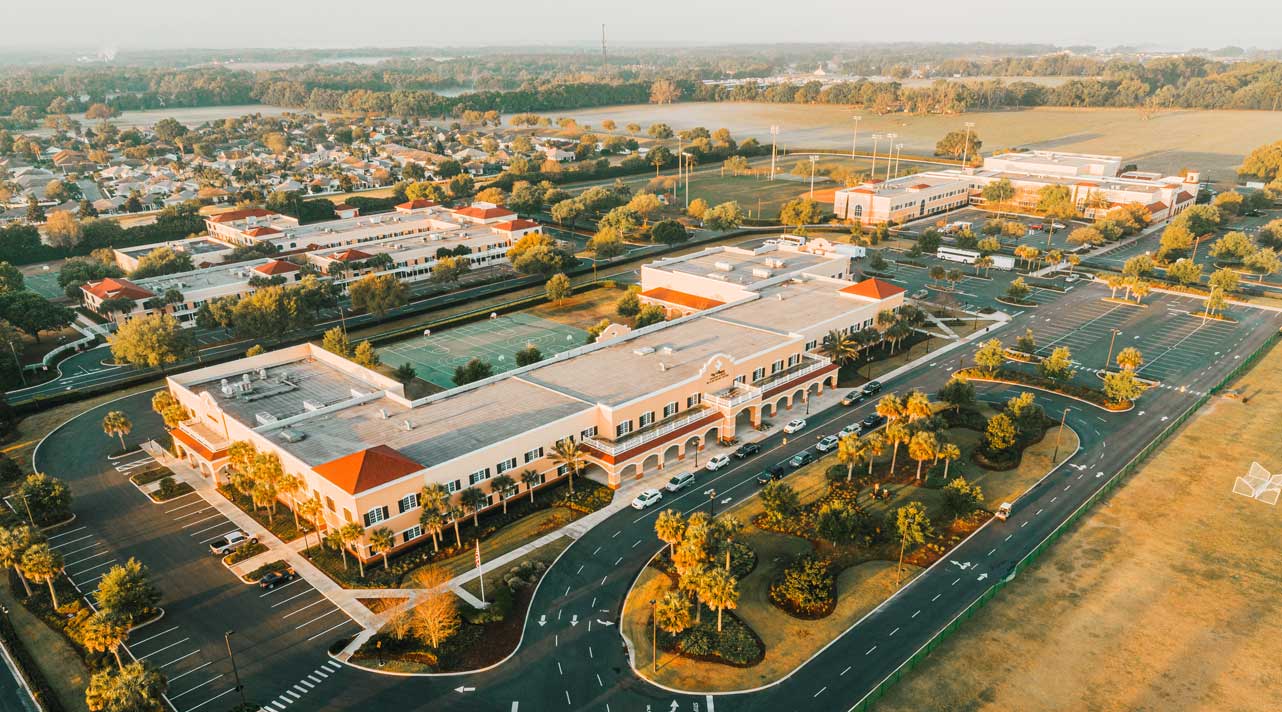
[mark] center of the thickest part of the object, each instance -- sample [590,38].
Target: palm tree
[985,262]
[569,454]
[381,541]
[896,433]
[948,452]
[309,510]
[1130,358]
[876,445]
[455,514]
[850,450]
[890,407]
[291,485]
[334,540]
[913,524]
[672,612]
[503,485]
[921,448]
[433,522]
[719,591]
[917,406]
[840,346]
[670,528]
[474,500]
[118,424]
[41,563]
[531,479]
[14,541]
[105,633]
[691,582]
[351,533]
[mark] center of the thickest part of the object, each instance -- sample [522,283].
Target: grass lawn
[59,662]
[752,192]
[583,309]
[545,554]
[515,535]
[1160,598]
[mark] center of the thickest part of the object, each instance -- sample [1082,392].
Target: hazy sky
[168,24]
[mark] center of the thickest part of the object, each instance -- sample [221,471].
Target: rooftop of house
[741,266]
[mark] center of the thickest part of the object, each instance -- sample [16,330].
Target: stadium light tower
[890,137]
[854,141]
[966,145]
[898,147]
[774,133]
[813,158]
[872,175]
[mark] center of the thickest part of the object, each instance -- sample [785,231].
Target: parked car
[794,425]
[1072,278]
[746,449]
[647,498]
[852,429]
[920,294]
[717,462]
[828,443]
[1003,512]
[774,472]
[276,578]
[230,542]
[679,482]
[1036,226]
[872,421]
[1057,226]
[853,398]
[872,387]
[801,459]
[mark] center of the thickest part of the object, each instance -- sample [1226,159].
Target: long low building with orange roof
[364,450]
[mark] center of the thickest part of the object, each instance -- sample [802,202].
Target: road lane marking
[558,667]
[990,553]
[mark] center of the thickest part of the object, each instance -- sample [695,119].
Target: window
[330,503]
[794,359]
[533,455]
[412,533]
[478,476]
[623,428]
[506,465]
[561,470]
[741,379]
[812,345]
[375,515]
[347,514]
[646,419]
[694,400]
[776,367]
[453,486]
[670,410]
[588,433]
[408,502]
[758,374]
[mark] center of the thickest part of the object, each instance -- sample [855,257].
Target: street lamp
[966,145]
[813,158]
[774,133]
[27,503]
[234,671]
[891,138]
[1111,339]
[712,500]
[872,174]
[654,636]
[898,147]
[854,141]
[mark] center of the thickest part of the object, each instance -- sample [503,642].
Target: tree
[670,528]
[999,193]
[1085,236]
[672,612]
[349,534]
[48,498]
[962,498]
[435,617]
[1055,203]
[381,541]
[922,447]
[1058,365]
[161,261]
[990,356]
[364,355]
[725,216]
[840,346]
[378,293]
[896,433]
[14,542]
[697,208]
[957,143]
[650,314]
[1000,433]
[473,370]
[1017,291]
[948,452]
[449,270]
[1234,246]
[1215,303]
[1185,271]
[913,526]
[668,232]
[780,501]
[474,500]
[536,253]
[800,212]
[917,406]
[1122,387]
[335,341]
[118,424]
[1129,358]
[33,314]
[153,341]
[568,455]
[405,373]
[127,591]
[104,632]
[958,392]
[505,487]
[719,591]
[528,355]
[558,288]
[1263,262]
[1224,279]
[137,687]
[42,564]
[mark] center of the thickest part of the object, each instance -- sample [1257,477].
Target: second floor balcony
[809,364]
[649,433]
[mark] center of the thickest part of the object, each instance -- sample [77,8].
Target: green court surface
[44,283]
[495,341]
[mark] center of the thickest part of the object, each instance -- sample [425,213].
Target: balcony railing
[734,395]
[809,364]
[647,434]
[202,434]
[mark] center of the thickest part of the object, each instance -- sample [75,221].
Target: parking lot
[977,217]
[972,292]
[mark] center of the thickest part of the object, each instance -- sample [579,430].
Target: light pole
[27,503]
[966,144]
[872,174]
[891,138]
[1063,417]
[774,133]
[712,500]
[654,636]
[854,141]
[898,147]
[18,362]
[813,158]
[1109,360]
[234,670]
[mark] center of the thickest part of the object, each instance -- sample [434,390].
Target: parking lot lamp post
[18,362]
[854,141]
[891,149]
[872,174]
[813,158]
[654,635]
[898,147]
[26,503]
[234,670]
[1063,417]
[1109,360]
[712,500]
[966,144]
[774,133]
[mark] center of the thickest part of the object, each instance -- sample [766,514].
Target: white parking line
[211,699]
[69,542]
[202,531]
[323,632]
[323,615]
[167,647]
[216,536]
[189,504]
[279,588]
[317,602]
[155,636]
[83,548]
[66,533]
[193,689]
[87,558]
[198,521]
[193,513]
[178,660]
[195,669]
[287,600]
[91,568]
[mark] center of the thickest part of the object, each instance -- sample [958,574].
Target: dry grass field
[1165,597]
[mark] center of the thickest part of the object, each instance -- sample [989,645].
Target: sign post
[479,570]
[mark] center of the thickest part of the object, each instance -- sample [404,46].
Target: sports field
[495,341]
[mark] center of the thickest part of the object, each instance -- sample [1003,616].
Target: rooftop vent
[643,350]
[779,296]
[382,413]
[761,273]
[666,350]
[265,418]
[245,377]
[311,405]
[291,435]
[663,366]
[723,266]
[407,424]
[262,374]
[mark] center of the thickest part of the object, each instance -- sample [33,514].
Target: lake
[1213,141]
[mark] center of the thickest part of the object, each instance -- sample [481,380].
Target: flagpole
[480,571]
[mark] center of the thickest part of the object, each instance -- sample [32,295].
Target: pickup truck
[230,542]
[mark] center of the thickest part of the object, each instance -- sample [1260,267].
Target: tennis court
[495,341]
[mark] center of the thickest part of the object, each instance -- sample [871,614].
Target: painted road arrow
[461,689]
[982,577]
[601,622]
[574,620]
[543,620]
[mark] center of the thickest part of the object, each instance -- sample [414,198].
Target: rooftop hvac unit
[357,393]
[226,388]
[407,424]
[723,266]
[311,405]
[776,264]
[291,435]
[643,350]
[265,418]
[779,296]
[666,350]
[262,374]
[761,273]
[663,366]
[382,413]
[245,377]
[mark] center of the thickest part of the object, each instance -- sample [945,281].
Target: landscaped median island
[1056,372]
[819,549]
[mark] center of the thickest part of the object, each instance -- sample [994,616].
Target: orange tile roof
[198,446]
[367,469]
[261,231]
[1184,196]
[483,213]
[117,288]
[344,206]
[234,215]
[824,195]
[873,288]
[349,255]
[682,299]
[1157,207]
[417,204]
[514,225]
[277,267]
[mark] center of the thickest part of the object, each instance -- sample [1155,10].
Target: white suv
[647,498]
[679,482]
[718,462]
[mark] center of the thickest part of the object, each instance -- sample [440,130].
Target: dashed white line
[843,672]
[936,598]
[870,650]
[990,553]
[892,633]
[915,614]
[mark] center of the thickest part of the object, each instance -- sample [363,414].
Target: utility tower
[604,58]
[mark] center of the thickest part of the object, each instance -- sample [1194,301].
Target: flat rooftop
[207,278]
[903,185]
[737,266]
[392,246]
[288,390]
[796,305]
[191,245]
[628,369]
[1075,160]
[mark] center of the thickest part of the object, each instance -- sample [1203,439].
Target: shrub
[267,568]
[807,588]
[736,644]
[501,603]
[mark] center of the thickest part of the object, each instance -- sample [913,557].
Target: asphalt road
[572,656]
